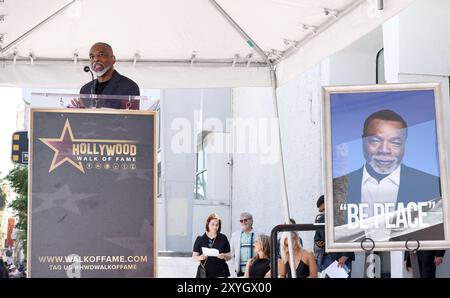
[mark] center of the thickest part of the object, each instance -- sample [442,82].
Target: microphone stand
[88,69]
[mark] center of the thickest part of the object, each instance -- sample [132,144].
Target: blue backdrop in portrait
[350,110]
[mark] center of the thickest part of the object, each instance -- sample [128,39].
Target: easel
[412,255]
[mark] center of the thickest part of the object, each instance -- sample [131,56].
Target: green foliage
[2,199]
[18,180]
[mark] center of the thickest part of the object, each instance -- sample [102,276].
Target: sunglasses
[244,220]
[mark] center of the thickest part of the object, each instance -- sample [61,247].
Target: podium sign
[92,192]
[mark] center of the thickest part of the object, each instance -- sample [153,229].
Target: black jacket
[117,85]
[415,186]
[320,236]
[3,271]
[425,256]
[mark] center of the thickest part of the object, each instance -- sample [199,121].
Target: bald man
[109,81]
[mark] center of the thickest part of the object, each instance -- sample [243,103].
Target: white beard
[102,72]
[384,170]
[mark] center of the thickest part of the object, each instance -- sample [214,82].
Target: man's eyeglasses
[244,220]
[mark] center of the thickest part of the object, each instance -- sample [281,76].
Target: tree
[18,180]
[2,199]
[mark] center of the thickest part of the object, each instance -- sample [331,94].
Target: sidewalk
[177,267]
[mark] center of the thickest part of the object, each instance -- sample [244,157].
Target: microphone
[88,69]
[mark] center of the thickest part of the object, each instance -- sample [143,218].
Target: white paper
[210,252]
[334,271]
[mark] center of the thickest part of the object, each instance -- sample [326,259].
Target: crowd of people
[9,270]
[249,251]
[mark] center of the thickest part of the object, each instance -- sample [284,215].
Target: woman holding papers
[212,250]
[305,262]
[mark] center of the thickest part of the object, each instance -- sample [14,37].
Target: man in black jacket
[109,81]
[325,259]
[428,261]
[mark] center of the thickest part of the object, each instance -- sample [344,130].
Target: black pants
[427,267]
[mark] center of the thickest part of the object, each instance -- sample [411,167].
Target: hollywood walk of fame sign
[92,193]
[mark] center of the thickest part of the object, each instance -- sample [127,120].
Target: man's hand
[342,260]
[77,103]
[320,243]
[438,261]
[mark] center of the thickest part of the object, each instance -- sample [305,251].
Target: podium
[92,186]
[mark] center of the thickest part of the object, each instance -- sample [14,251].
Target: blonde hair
[265,245]
[284,246]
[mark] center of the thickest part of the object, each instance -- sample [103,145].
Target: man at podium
[108,82]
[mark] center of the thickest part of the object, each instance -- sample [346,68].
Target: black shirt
[99,87]
[215,267]
[320,236]
[302,270]
[117,85]
[259,268]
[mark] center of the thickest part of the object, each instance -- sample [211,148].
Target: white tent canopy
[179,43]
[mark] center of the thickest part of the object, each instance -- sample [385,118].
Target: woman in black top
[305,262]
[215,266]
[259,265]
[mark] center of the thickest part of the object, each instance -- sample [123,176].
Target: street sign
[19,153]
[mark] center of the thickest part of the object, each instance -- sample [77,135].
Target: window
[379,68]
[158,127]
[158,136]
[159,184]
[201,176]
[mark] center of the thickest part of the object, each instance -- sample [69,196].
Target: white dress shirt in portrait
[385,191]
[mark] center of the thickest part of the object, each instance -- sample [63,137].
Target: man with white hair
[243,243]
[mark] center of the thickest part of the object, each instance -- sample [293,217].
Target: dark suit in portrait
[415,186]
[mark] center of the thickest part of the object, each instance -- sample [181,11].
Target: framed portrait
[386,176]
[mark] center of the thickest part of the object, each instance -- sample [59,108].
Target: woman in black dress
[259,265]
[305,262]
[215,266]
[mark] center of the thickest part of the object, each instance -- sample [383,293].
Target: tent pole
[273,80]
[284,194]
[244,35]
[225,62]
[17,40]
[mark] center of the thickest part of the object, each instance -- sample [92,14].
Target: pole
[281,168]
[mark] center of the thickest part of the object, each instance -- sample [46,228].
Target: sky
[10,98]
